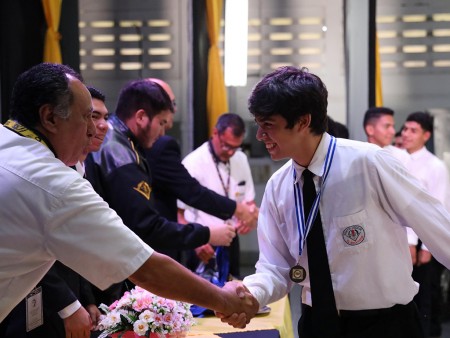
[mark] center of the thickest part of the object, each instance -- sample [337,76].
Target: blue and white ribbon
[304,227]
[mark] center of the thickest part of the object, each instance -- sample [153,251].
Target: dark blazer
[61,286]
[120,174]
[172,181]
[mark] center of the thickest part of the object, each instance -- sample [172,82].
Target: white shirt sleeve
[69,309]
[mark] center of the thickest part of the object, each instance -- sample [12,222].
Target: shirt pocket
[353,233]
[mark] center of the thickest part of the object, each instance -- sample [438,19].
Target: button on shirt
[368,200]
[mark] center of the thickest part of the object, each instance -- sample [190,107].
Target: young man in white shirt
[363,219]
[433,174]
[379,127]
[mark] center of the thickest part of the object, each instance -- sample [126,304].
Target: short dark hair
[96,94]
[45,83]
[292,93]
[142,94]
[374,113]
[337,129]
[233,121]
[423,118]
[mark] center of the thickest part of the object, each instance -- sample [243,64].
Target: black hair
[374,113]
[337,129]
[292,93]
[233,121]
[424,119]
[96,94]
[142,94]
[45,83]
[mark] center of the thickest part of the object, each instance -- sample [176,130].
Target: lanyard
[24,131]
[304,227]
[226,188]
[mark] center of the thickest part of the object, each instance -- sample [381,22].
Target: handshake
[247,216]
[241,306]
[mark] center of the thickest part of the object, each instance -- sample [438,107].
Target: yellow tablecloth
[279,318]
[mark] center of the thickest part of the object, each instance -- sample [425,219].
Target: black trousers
[422,274]
[399,321]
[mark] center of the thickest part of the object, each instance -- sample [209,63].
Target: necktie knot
[307,174]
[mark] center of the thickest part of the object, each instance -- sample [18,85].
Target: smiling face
[100,116]
[414,137]
[277,138]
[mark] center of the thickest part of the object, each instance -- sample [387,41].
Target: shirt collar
[415,155]
[316,166]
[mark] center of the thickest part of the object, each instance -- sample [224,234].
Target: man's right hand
[221,235]
[78,325]
[246,213]
[246,309]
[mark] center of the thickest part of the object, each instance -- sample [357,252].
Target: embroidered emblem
[144,189]
[354,235]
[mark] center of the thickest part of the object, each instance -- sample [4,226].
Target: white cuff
[413,239]
[69,309]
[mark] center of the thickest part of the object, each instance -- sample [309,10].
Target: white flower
[147,316]
[140,327]
[112,318]
[143,312]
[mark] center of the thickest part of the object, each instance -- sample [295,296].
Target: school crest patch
[354,235]
[144,189]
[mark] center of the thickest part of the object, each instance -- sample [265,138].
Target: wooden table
[276,324]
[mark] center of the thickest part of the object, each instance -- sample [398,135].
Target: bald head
[166,87]
[169,92]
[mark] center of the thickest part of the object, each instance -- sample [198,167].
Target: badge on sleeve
[34,309]
[144,189]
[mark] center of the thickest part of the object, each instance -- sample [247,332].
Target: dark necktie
[325,320]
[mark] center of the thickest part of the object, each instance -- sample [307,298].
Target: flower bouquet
[141,313]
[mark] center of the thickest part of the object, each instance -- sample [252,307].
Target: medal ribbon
[24,131]
[304,227]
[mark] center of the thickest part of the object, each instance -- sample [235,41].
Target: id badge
[34,309]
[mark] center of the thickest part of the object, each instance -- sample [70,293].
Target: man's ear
[304,122]
[426,136]
[369,130]
[140,117]
[47,118]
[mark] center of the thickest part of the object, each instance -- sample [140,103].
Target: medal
[297,274]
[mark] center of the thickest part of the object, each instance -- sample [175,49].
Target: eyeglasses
[227,147]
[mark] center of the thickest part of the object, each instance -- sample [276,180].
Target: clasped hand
[243,307]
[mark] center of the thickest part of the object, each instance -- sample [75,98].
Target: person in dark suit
[172,181]
[62,289]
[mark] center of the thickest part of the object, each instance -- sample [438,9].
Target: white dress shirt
[50,212]
[201,165]
[368,201]
[433,175]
